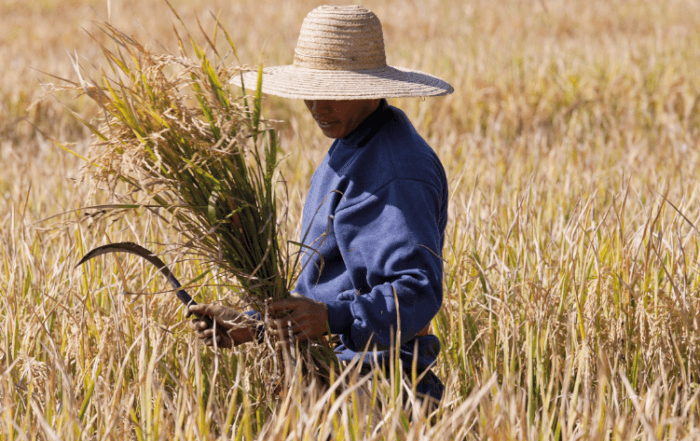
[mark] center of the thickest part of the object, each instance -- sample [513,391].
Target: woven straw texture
[340,56]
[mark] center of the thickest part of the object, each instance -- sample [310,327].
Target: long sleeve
[391,244]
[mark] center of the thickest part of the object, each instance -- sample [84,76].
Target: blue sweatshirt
[374,223]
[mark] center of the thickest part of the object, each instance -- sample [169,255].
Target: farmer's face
[338,118]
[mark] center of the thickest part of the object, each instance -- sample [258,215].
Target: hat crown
[340,38]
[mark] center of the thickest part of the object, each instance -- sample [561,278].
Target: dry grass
[572,283]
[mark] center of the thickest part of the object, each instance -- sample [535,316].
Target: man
[374,219]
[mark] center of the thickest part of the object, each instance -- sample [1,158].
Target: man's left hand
[305,319]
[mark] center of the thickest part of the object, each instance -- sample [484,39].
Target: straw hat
[340,56]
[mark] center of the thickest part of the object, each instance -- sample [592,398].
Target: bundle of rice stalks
[180,141]
[183,143]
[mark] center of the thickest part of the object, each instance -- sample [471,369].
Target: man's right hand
[230,329]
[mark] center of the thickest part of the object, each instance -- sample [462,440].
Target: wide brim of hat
[315,84]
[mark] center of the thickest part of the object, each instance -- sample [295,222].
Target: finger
[197,325]
[277,324]
[206,309]
[225,342]
[284,322]
[284,304]
[284,337]
[301,335]
[195,309]
[285,332]
[281,332]
[303,332]
[206,332]
[282,345]
[215,312]
[220,341]
[197,313]
[208,336]
[277,328]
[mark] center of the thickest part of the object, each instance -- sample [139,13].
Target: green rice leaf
[257,105]
[179,143]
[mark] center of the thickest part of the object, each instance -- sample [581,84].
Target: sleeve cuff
[340,316]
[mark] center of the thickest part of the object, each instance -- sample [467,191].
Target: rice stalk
[173,139]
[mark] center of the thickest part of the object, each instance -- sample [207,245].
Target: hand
[230,329]
[305,318]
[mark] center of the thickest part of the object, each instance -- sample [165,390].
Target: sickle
[132,248]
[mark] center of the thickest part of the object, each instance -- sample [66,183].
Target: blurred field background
[571,257]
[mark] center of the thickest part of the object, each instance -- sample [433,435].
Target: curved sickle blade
[132,248]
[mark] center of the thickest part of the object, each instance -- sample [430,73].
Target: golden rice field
[572,284]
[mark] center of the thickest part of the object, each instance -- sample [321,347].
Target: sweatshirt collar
[367,128]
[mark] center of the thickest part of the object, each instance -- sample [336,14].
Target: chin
[331,134]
